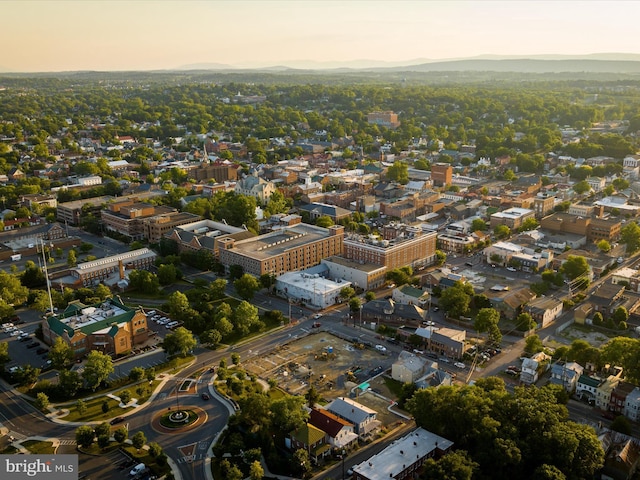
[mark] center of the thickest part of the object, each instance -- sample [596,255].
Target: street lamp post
[177,396]
[344,452]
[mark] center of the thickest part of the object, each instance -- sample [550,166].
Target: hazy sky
[59,35]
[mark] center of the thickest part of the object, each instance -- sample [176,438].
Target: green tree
[622,424]
[246,286]
[346,293]
[81,407]
[125,397]
[478,225]
[441,257]
[369,296]
[138,440]
[120,435]
[167,274]
[582,187]
[620,315]
[529,224]
[455,300]
[97,368]
[277,204]
[4,353]
[287,413]
[144,281]
[178,305]
[502,231]
[454,465]
[136,374]
[155,450]
[42,401]
[324,221]
[12,292]
[486,319]
[630,236]
[245,318]
[84,436]
[398,172]
[604,246]
[256,472]
[533,344]
[72,261]
[300,462]
[574,267]
[69,382]
[217,288]
[211,337]
[181,341]
[524,322]
[60,353]
[102,429]
[355,304]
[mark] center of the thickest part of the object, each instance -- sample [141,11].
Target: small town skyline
[147,35]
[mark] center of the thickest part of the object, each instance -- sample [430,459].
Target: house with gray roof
[566,374]
[364,419]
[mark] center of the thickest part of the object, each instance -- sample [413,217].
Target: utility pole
[46,276]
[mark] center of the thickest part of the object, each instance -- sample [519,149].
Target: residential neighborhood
[305,282]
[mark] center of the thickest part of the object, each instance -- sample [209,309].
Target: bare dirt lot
[333,365]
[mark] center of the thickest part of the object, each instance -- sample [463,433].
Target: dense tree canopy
[508,435]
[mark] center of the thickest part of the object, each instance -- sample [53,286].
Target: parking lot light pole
[344,452]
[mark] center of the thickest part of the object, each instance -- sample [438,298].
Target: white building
[310,288]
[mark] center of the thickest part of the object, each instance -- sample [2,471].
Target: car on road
[511,269]
[33,345]
[317,316]
[454,269]
[316,325]
[381,348]
[116,420]
[459,365]
[205,396]
[436,309]
[444,360]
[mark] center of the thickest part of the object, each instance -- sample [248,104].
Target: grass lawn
[94,449]
[394,386]
[94,406]
[38,447]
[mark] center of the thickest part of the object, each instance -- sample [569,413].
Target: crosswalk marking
[68,442]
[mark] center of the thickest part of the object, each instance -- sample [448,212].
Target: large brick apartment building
[594,228]
[402,246]
[290,249]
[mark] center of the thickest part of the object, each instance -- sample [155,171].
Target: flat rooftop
[363,267]
[278,242]
[404,451]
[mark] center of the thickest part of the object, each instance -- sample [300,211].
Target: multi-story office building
[512,217]
[290,249]
[410,247]
[157,226]
[127,218]
[385,119]
[97,271]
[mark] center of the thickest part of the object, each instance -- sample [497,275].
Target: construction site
[335,366]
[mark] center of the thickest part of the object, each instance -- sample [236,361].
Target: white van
[137,469]
[172,324]
[16,257]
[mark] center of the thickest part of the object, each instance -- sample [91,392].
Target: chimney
[121,269]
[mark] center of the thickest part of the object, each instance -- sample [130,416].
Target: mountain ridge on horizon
[541,63]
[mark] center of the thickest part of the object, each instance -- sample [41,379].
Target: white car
[459,365]
[317,316]
[381,348]
[511,269]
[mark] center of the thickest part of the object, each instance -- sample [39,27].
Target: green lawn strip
[94,449]
[94,406]
[39,447]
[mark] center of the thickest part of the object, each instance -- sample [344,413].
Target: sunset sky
[59,35]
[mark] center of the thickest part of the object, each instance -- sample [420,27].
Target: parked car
[41,350]
[317,316]
[205,396]
[33,345]
[116,420]
[511,269]
[459,365]
[316,325]
[381,348]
